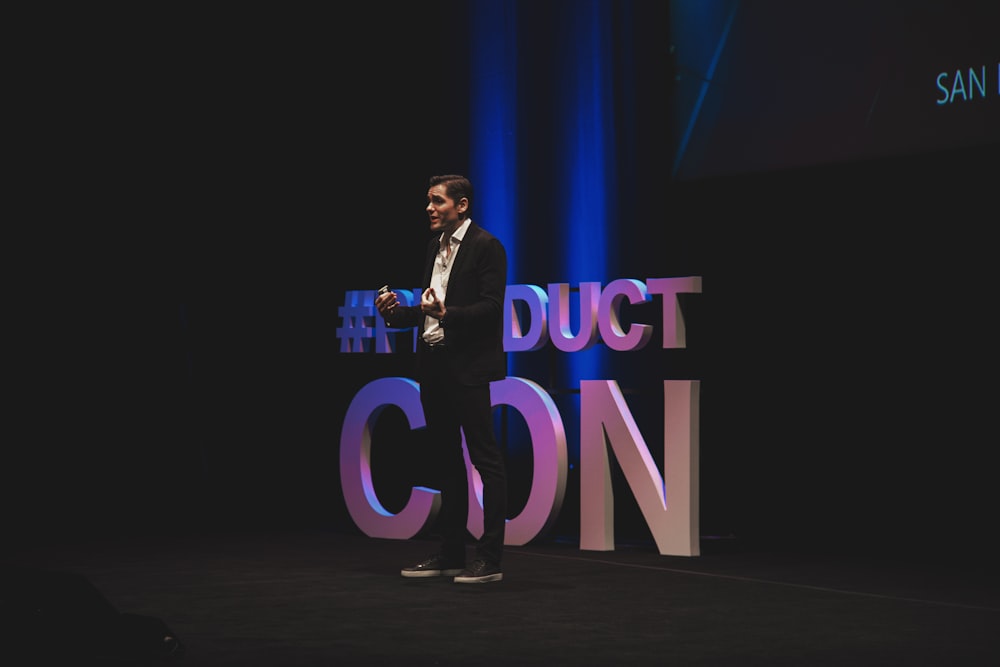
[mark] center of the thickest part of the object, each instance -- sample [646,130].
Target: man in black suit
[460,326]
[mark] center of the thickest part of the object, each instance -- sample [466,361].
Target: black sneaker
[435,566]
[480,572]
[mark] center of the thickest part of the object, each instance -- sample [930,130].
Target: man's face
[444,211]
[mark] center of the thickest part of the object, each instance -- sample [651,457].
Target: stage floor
[285,598]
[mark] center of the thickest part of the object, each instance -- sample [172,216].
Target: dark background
[198,191]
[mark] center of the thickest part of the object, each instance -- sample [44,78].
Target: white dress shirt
[447,252]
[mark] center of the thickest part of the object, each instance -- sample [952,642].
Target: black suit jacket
[473,324]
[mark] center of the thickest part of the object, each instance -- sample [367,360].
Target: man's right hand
[386,303]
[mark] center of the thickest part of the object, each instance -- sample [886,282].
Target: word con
[669,503]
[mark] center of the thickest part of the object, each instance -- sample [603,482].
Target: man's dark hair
[456,186]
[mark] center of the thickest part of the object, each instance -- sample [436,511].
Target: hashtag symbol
[356,315]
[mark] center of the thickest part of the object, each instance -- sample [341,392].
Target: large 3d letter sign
[669,503]
[548,484]
[355,462]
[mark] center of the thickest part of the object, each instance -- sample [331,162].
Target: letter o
[549,470]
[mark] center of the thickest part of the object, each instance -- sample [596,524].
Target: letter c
[355,462]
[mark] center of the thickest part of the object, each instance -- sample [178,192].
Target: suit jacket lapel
[466,244]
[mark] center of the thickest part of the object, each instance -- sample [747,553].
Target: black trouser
[449,407]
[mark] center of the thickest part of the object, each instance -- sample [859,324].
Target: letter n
[669,504]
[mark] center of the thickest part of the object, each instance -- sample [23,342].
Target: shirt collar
[459,233]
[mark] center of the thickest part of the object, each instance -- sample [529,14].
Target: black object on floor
[59,617]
